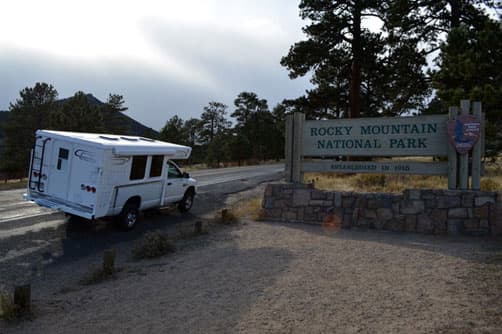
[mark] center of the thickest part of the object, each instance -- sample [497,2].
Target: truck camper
[93,175]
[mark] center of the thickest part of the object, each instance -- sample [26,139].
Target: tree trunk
[355,91]
[355,78]
[456,9]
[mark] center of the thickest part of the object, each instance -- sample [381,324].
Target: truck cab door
[175,186]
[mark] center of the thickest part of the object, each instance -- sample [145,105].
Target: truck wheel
[186,203]
[129,216]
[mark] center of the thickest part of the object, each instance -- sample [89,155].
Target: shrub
[490,185]
[370,180]
[152,245]
[248,209]
[9,310]
[227,217]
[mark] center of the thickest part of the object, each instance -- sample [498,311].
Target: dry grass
[493,176]
[153,244]
[374,182]
[491,181]
[248,209]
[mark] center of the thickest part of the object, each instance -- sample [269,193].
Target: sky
[166,58]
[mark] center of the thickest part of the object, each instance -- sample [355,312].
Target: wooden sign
[403,136]
[389,137]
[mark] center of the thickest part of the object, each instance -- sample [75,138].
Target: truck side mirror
[186,175]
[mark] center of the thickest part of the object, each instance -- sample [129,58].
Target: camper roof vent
[129,138]
[108,138]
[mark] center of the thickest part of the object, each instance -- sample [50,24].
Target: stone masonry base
[415,210]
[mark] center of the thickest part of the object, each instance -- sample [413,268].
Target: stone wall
[415,210]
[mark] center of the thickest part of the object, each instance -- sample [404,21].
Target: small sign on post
[464,132]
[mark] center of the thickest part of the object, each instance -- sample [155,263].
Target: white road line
[31,228]
[12,254]
[23,216]
[5,207]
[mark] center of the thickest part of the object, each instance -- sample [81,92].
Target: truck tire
[129,216]
[186,203]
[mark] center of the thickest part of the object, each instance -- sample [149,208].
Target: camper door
[60,171]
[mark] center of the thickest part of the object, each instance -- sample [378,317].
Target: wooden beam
[464,158]
[391,167]
[288,148]
[452,155]
[299,119]
[476,150]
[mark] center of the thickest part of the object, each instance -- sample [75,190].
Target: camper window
[156,166]
[63,155]
[138,167]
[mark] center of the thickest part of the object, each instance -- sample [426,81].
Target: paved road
[14,211]
[32,237]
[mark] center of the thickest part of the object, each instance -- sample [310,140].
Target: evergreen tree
[77,114]
[115,103]
[174,131]
[29,113]
[192,128]
[113,120]
[470,67]
[213,121]
[256,125]
[355,70]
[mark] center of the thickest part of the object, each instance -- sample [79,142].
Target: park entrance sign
[403,136]
[317,146]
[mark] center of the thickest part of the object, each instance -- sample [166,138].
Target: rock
[290,215]
[412,207]
[482,212]
[347,202]
[410,223]
[301,197]
[457,213]
[479,201]
[268,203]
[425,224]
[338,199]
[446,202]
[318,195]
[439,215]
[384,214]
[413,194]
[468,200]
[455,226]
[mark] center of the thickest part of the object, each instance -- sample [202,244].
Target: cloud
[165,57]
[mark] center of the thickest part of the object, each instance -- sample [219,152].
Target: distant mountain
[118,121]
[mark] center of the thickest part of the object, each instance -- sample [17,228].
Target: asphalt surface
[32,237]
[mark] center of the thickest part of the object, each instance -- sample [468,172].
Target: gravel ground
[289,278]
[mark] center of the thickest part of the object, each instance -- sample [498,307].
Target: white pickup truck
[100,175]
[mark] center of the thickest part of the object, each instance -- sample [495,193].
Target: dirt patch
[277,278]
